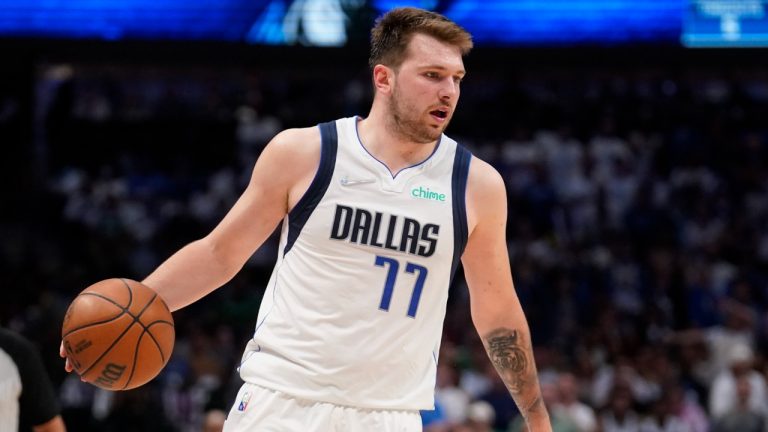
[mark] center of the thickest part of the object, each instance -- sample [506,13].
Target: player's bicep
[485,259]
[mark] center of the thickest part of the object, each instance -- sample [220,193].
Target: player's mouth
[440,115]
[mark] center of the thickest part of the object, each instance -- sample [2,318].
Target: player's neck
[396,152]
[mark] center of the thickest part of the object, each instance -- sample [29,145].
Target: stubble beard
[404,122]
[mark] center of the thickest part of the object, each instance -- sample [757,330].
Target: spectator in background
[741,417]
[619,415]
[620,371]
[570,407]
[27,398]
[497,397]
[716,346]
[453,399]
[480,417]
[725,395]
[685,406]
[662,419]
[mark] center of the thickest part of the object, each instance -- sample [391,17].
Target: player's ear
[383,77]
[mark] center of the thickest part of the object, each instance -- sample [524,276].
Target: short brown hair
[393,31]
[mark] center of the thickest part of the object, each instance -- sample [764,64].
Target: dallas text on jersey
[367,227]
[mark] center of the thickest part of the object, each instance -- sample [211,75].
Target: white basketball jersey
[354,310]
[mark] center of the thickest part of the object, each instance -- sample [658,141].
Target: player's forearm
[190,274]
[511,353]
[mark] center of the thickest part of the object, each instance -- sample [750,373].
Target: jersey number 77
[393,266]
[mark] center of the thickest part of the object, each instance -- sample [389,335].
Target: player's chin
[431,137]
[435,130]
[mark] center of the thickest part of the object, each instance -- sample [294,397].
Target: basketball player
[377,213]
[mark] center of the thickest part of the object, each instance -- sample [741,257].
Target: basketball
[118,334]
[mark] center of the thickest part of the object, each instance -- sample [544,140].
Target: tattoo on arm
[507,351]
[511,353]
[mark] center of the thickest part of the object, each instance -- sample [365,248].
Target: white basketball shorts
[257,409]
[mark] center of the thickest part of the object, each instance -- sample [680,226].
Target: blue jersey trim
[459,190]
[300,214]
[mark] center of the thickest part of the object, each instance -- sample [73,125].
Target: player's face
[426,89]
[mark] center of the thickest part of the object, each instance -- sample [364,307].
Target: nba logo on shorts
[244,401]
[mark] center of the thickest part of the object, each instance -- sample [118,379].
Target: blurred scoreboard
[726,23]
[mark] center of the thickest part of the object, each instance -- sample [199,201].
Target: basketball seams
[147,332]
[91,325]
[130,292]
[114,342]
[136,318]
[84,326]
[117,339]
[143,332]
[146,329]
[102,296]
[135,360]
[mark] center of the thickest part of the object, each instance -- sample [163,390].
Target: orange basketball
[118,334]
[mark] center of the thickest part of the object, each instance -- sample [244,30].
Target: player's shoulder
[296,139]
[294,148]
[483,176]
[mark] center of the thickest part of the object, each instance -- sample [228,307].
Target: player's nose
[449,90]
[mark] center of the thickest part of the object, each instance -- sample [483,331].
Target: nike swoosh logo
[347,182]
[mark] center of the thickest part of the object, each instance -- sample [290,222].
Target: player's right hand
[63,354]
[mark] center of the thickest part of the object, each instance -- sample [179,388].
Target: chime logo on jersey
[386,231]
[426,194]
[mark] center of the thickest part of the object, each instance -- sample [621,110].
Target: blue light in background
[385,5]
[268,28]
[562,22]
[326,22]
[227,20]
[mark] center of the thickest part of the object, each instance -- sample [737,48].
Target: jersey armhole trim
[459,192]
[300,214]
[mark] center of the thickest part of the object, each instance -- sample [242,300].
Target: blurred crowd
[638,235]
